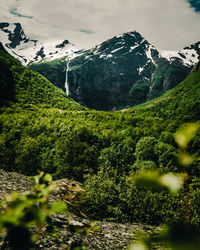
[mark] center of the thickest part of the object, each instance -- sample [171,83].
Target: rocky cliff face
[127,70]
[195,4]
[54,71]
[110,75]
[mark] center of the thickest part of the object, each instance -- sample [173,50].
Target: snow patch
[133,47]
[188,56]
[102,56]
[140,69]
[11,28]
[148,53]
[142,41]
[115,50]
[132,33]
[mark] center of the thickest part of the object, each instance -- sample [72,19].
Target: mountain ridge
[127,70]
[121,72]
[28,50]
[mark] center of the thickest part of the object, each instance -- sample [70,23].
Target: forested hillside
[23,86]
[42,129]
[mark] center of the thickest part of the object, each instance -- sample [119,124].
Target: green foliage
[167,157]
[23,212]
[143,165]
[181,104]
[145,149]
[115,160]
[22,85]
[184,234]
[54,71]
[42,129]
[171,182]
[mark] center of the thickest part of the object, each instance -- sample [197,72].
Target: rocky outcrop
[166,76]
[195,4]
[104,235]
[196,67]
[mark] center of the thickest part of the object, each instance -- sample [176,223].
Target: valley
[76,137]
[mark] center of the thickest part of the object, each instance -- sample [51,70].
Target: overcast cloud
[168,24]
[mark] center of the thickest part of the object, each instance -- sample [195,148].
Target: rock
[103,235]
[196,67]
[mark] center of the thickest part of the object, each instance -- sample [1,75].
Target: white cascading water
[66,79]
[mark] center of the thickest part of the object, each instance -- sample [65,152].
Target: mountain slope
[54,71]
[180,104]
[21,85]
[127,70]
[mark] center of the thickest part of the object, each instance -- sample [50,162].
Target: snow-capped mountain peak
[29,50]
[130,43]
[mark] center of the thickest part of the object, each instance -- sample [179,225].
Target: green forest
[42,129]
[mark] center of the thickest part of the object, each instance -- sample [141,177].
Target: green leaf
[47,177]
[58,207]
[184,136]
[171,182]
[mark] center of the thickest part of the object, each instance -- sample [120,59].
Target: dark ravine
[108,236]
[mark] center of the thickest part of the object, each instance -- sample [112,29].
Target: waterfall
[66,79]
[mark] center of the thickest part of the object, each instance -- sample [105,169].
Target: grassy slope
[181,103]
[54,71]
[24,86]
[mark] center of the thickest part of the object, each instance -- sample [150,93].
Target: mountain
[28,50]
[195,4]
[121,72]
[127,70]
[19,84]
[49,58]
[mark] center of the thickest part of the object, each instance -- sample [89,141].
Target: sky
[167,24]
